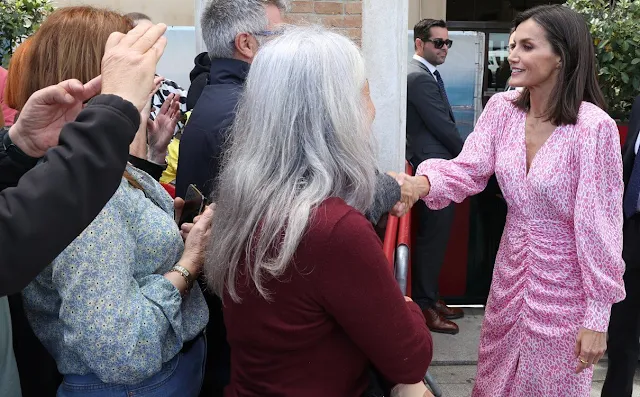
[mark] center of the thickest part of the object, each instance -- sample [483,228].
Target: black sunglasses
[439,43]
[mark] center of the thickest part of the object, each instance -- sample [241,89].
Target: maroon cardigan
[336,310]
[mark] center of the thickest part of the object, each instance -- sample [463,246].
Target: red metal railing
[397,249]
[390,237]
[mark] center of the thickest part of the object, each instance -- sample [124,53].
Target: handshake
[412,188]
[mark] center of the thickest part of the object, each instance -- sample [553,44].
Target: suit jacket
[431,127]
[631,248]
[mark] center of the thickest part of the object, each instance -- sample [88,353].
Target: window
[490,10]
[498,70]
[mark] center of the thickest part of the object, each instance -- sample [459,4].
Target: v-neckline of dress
[528,168]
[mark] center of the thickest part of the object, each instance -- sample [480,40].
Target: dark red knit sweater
[337,309]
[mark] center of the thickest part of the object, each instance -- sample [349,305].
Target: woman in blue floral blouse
[116,308]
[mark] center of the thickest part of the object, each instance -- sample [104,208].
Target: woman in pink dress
[556,155]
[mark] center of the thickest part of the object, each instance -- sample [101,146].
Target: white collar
[426,63]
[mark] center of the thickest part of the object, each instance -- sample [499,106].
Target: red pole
[390,235]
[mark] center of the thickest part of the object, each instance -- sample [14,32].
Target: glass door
[497,70]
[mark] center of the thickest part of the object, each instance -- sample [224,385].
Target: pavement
[455,358]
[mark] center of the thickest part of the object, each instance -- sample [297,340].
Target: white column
[385,46]
[198,8]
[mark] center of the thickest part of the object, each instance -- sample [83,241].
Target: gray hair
[223,20]
[302,134]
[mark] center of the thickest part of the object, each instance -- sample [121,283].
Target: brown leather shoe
[450,313]
[437,323]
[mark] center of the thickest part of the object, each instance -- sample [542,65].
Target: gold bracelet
[185,274]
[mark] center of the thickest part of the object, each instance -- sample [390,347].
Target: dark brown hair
[569,36]
[422,29]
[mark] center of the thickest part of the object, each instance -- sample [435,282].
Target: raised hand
[129,62]
[47,111]
[160,131]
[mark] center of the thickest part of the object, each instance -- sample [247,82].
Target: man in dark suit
[431,133]
[624,327]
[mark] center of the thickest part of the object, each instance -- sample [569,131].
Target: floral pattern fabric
[103,306]
[559,266]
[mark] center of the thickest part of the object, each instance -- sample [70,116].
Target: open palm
[160,131]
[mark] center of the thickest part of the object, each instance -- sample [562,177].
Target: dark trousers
[434,228]
[624,331]
[39,376]
[218,364]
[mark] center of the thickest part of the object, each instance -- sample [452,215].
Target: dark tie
[441,85]
[630,205]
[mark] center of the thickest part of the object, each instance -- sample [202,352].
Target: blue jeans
[182,376]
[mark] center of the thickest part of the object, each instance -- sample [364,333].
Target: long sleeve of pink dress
[559,266]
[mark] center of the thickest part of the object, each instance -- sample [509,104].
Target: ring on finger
[583,361]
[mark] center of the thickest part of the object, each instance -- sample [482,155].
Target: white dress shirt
[426,63]
[637,143]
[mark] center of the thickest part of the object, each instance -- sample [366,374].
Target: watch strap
[13,151]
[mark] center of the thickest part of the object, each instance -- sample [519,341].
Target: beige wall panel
[414,13]
[420,9]
[436,9]
[171,12]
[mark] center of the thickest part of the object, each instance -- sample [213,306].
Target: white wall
[384,38]
[171,12]
[177,60]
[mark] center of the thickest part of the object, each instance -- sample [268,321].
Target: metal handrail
[402,268]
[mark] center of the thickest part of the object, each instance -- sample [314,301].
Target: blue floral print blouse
[103,306]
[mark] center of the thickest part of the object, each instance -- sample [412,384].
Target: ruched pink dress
[559,266]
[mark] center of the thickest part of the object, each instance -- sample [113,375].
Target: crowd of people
[280,287]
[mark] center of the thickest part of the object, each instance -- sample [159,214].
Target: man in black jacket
[231,51]
[624,327]
[431,133]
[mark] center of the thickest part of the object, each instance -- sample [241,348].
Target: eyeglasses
[269,33]
[439,43]
[265,33]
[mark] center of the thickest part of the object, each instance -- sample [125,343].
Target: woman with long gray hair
[309,300]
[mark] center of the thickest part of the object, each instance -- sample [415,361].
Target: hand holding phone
[194,203]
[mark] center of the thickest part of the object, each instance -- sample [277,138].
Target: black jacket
[431,127]
[201,145]
[44,208]
[631,236]
[199,78]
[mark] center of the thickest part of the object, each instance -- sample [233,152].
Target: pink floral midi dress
[559,266]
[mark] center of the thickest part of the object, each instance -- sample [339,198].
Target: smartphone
[194,203]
